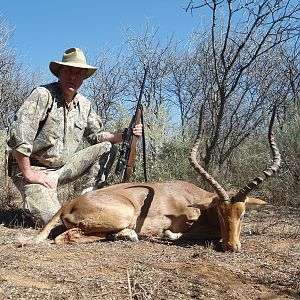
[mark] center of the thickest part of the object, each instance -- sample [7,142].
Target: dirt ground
[268,267]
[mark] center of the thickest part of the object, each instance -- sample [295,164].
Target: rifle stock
[131,158]
[127,151]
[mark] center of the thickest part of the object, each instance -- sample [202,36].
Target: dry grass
[267,268]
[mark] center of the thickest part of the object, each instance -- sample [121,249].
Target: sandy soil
[268,267]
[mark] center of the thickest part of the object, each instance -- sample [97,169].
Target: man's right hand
[39,177]
[32,176]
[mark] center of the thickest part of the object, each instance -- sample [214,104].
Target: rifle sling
[144,149]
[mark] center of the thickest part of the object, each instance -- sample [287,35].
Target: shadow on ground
[15,218]
[209,244]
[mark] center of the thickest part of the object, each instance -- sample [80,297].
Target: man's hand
[33,176]
[116,138]
[137,130]
[39,177]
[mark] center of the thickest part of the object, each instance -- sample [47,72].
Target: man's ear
[254,202]
[205,203]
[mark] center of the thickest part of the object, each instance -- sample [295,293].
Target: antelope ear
[254,202]
[205,203]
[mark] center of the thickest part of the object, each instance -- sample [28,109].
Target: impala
[175,209]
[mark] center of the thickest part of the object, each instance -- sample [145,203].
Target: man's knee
[39,215]
[104,147]
[40,203]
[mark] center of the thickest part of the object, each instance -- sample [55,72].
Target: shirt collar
[60,95]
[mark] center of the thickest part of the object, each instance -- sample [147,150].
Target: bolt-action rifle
[128,149]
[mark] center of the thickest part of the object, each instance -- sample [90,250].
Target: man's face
[71,79]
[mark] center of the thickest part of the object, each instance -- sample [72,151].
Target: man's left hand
[138,130]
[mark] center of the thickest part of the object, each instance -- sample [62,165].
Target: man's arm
[116,138]
[32,176]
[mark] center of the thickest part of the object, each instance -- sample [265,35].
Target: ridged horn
[242,193]
[194,163]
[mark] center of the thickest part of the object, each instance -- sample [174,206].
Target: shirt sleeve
[25,126]
[94,132]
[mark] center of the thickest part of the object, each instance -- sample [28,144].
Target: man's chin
[72,89]
[69,90]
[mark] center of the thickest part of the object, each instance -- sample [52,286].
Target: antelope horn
[194,163]
[242,193]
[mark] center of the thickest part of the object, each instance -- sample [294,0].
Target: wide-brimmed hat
[72,57]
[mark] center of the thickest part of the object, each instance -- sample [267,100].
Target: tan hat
[72,57]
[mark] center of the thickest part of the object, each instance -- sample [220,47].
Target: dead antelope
[175,209]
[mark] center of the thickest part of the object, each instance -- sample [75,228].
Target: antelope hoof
[132,235]
[124,234]
[172,235]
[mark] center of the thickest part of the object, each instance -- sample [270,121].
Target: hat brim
[54,67]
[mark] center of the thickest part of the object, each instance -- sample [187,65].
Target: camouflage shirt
[49,132]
